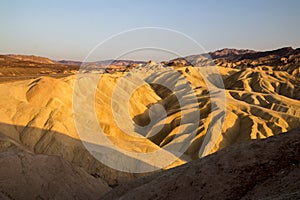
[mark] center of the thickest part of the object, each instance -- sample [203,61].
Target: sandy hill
[255,98]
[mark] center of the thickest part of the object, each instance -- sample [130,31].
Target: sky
[72,29]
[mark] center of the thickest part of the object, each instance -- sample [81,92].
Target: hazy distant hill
[30,58]
[238,55]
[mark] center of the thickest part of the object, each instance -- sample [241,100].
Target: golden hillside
[204,109]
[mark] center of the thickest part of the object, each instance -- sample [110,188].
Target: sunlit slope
[260,102]
[38,114]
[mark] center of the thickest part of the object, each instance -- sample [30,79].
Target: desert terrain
[230,119]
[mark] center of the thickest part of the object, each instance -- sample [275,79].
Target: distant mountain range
[226,53]
[235,54]
[222,53]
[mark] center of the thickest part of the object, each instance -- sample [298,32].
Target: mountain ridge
[233,53]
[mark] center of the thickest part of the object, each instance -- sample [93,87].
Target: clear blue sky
[70,29]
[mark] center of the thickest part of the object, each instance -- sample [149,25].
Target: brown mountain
[30,58]
[226,53]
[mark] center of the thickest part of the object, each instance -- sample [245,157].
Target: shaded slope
[24,174]
[262,169]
